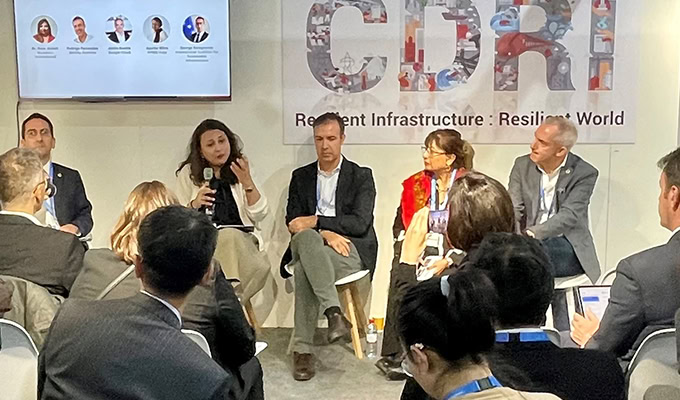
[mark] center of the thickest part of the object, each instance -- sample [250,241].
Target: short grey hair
[20,172]
[568,134]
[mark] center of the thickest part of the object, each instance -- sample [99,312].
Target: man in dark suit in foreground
[28,250]
[644,296]
[70,210]
[133,348]
[330,215]
[524,357]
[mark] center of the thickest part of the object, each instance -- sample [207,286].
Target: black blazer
[44,256]
[354,204]
[71,203]
[571,374]
[125,349]
[193,37]
[114,38]
[644,297]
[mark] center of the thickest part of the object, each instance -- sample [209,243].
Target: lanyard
[524,337]
[474,387]
[434,195]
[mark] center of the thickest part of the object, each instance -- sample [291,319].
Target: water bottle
[372,340]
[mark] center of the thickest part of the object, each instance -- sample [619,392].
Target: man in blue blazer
[330,215]
[69,210]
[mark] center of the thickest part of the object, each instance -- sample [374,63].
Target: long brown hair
[479,205]
[49,27]
[144,198]
[197,162]
[451,141]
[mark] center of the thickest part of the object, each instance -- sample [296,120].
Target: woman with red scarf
[446,157]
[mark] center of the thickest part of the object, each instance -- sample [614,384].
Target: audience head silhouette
[522,274]
[23,184]
[447,326]
[176,246]
[144,198]
[669,196]
[478,205]
[213,145]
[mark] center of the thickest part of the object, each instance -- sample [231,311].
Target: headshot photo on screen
[196,29]
[80,29]
[118,29]
[45,28]
[156,29]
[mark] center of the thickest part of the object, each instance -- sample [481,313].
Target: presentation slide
[83,49]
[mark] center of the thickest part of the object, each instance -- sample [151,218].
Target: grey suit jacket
[572,195]
[124,349]
[644,297]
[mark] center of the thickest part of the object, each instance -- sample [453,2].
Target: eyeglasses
[427,151]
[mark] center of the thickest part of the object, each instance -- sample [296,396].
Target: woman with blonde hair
[102,266]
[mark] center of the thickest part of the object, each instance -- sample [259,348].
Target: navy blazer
[354,204]
[71,203]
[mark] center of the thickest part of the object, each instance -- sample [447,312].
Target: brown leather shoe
[338,328]
[303,366]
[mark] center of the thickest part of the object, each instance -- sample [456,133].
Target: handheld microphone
[207,176]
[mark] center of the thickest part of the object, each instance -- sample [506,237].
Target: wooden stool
[354,309]
[250,313]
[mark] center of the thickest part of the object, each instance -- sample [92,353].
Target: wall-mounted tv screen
[123,49]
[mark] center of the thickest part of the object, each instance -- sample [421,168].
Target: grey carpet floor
[339,374]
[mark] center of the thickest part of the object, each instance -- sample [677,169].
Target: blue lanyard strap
[524,337]
[474,387]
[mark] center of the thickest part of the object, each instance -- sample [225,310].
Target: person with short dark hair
[330,217]
[200,34]
[447,328]
[69,210]
[446,157]
[644,295]
[28,250]
[133,347]
[119,34]
[79,29]
[158,35]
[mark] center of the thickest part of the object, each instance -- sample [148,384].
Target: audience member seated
[103,266]
[69,210]
[133,348]
[28,250]
[644,295]
[5,297]
[563,183]
[330,215]
[520,270]
[446,326]
[478,205]
[213,310]
[232,197]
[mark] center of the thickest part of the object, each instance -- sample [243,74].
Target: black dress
[225,208]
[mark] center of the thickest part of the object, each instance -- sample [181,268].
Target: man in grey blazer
[133,348]
[646,292]
[551,189]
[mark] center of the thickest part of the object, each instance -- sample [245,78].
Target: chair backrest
[654,363]
[554,335]
[18,362]
[607,278]
[199,339]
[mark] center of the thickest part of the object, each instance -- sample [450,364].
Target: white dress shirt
[546,199]
[170,306]
[326,185]
[22,214]
[121,37]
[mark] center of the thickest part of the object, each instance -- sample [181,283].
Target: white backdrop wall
[116,146]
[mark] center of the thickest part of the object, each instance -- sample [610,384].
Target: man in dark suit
[644,296]
[524,357]
[28,250]
[119,35]
[133,348]
[200,35]
[70,210]
[330,215]
[551,189]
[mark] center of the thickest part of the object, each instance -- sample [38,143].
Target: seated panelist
[29,250]
[69,210]
[330,216]
[446,157]
[229,193]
